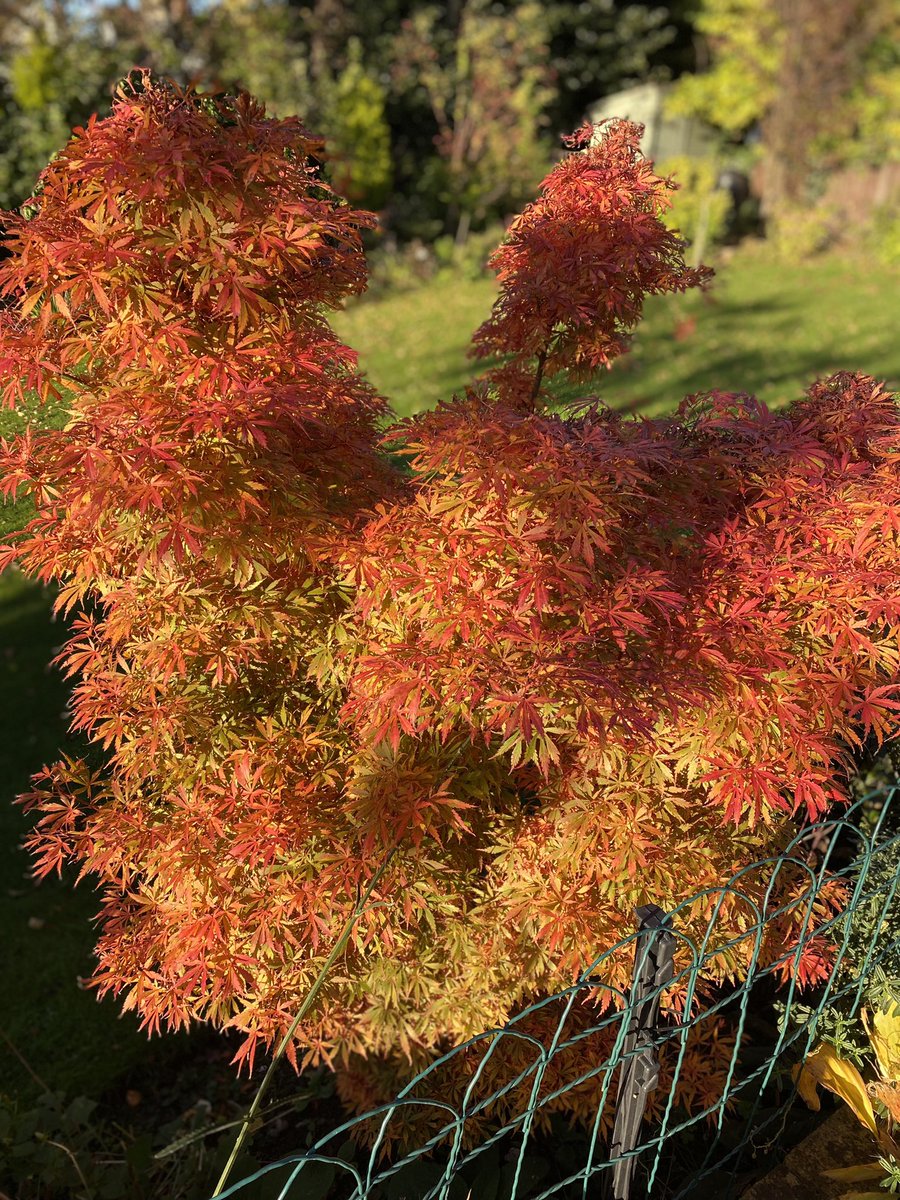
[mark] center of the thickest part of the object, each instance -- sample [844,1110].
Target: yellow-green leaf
[827,1069]
[883,1029]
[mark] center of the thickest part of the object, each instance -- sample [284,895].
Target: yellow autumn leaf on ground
[883,1029]
[863,1196]
[860,1173]
[826,1069]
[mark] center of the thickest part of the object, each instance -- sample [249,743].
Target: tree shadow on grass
[47,1019]
[710,357]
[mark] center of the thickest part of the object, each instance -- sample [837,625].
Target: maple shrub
[565,664]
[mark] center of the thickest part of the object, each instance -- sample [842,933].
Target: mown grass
[47,1020]
[762,328]
[14,514]
[766,329]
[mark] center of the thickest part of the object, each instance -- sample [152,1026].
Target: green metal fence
[627,1151]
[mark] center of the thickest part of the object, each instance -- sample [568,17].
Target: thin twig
[65,1149]
[541,359]
[292,1029]
[198,1135]
[24,1061]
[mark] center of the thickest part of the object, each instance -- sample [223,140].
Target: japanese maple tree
[567,664]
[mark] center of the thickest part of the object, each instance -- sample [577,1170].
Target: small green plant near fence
[639,1122]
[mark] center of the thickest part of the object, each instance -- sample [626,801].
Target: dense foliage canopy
[569,663]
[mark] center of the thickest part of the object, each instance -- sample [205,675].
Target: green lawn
[13,421]
[47,1020]
[763,328]
[766,329]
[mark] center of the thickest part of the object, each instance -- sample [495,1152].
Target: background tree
[328,27]
[820,81]
[54,73]
[600,46]
[487,85]
[258,45]
[743,45]
[59,63]
[494,75]
[357,133]
[823,52]
[873,106]
[168,36]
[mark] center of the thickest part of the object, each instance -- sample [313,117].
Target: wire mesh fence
[681,1084]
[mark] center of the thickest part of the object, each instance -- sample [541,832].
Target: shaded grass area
[47,1019]
[765,328]
[37,417]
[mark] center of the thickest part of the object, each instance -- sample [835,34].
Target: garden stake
[654,969]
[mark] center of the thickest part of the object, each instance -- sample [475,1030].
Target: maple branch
[24,1061]
[337,950]
[88,1191]
[541,359]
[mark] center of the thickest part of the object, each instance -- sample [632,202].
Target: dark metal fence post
[653,969]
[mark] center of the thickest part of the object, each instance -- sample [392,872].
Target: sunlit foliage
[567,664]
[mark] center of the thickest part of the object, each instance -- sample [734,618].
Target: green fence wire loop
[737,1112]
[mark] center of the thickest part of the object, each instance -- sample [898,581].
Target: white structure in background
[664,136]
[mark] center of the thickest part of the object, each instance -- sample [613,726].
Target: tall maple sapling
[571,663]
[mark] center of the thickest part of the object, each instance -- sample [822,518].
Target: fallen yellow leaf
[825,1068]
[857,1174]
[863,1196]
